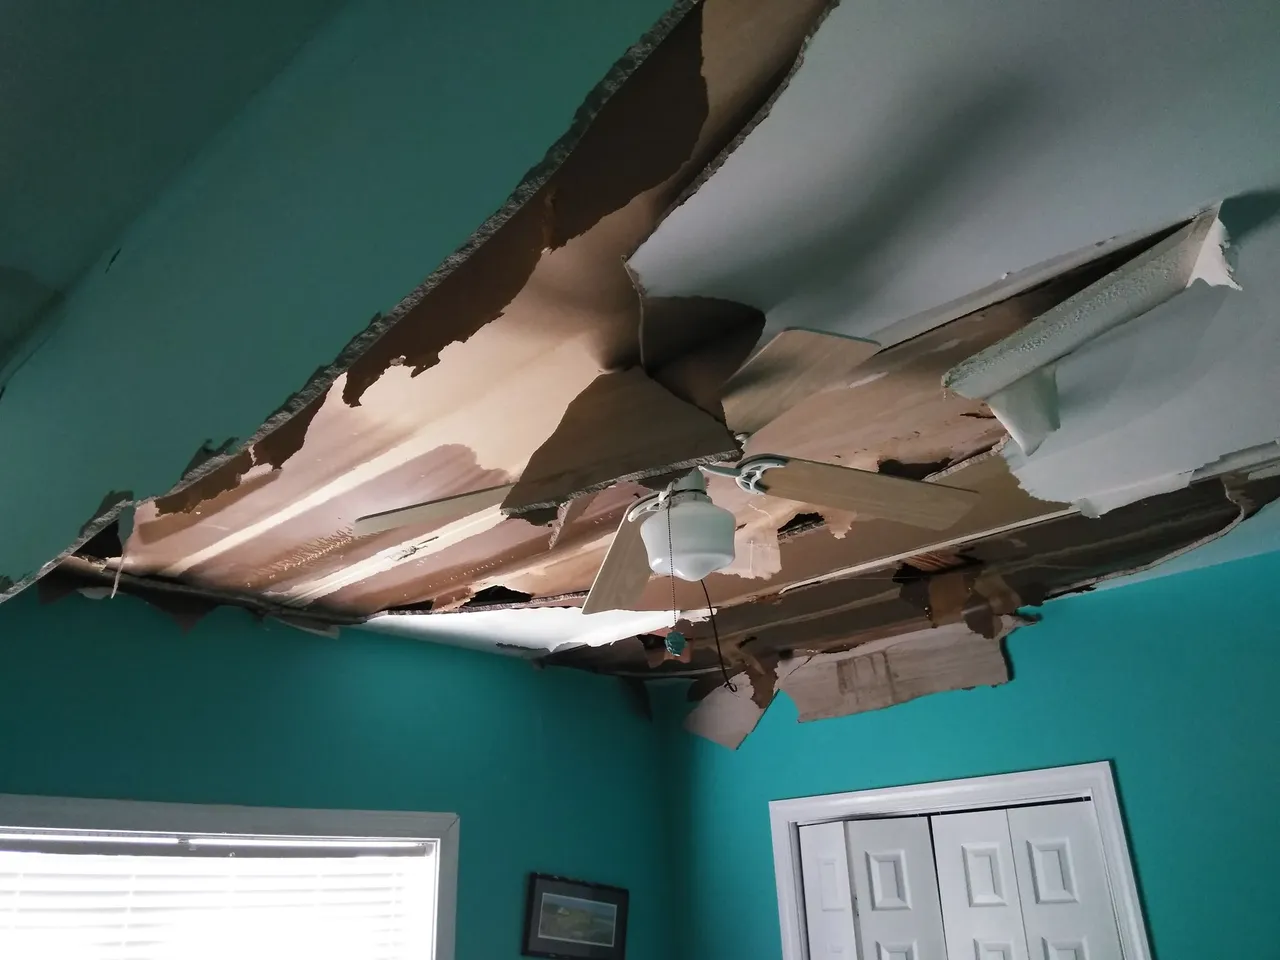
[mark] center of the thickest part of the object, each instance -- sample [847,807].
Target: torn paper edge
[1016,375]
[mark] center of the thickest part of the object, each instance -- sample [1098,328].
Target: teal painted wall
[387,141]
[1177,681]
[548,770]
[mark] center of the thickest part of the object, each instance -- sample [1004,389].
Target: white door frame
[1088,781]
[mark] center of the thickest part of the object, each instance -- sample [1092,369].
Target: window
[117,880]
[1030,865]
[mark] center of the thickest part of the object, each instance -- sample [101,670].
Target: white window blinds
[252,905]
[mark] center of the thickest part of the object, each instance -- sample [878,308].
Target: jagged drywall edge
[1193,253]
[324,377]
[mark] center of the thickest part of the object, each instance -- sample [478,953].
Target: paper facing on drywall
[1017,376]
[725,716]
[894,670]
[1187,390]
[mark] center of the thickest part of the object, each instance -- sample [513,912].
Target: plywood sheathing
[569,314]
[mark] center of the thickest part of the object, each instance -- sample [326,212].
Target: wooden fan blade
[913,502]
[444,510]
[791,367]
[623,574]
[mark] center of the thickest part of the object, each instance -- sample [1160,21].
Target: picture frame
[568,919]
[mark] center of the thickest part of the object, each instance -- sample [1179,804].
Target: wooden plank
[623,574]
[928,505]
[623,426]
[441,511]
[791,367]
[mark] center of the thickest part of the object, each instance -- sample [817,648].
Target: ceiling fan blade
[791,367]
[444,510]
[623,574]
[914,502]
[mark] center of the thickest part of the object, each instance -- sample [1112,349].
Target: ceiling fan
[679,531]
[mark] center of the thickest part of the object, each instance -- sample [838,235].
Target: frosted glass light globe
[700,537]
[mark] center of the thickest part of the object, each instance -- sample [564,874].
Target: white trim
[87,816]
[1091,781]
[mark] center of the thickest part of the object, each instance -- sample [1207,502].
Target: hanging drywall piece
[725,716]
[1186,391]
[1017,375]
[886,672]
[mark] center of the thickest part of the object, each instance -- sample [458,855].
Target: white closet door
[1066,900]
[828,902]
[891,862]
[979,888]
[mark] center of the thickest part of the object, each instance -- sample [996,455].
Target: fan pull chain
[675,641]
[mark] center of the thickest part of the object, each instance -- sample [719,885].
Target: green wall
[387,141]
[549,770]
[1177,681]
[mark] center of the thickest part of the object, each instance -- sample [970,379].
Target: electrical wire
[715,631]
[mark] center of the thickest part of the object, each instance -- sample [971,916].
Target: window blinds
[96,906]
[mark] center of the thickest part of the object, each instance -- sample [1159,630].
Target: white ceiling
[927,148]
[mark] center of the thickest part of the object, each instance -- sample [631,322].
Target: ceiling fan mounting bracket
[748,473]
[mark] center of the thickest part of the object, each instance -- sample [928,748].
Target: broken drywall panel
[538,629]
[623,426]
[261,250]
[578,300]
[1253,536]
[725,716]
[1152,402]
[884,673]
[791,367]
[996,168]
[692,345]
[1016,375]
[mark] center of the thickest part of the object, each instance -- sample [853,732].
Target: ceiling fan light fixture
[689,536]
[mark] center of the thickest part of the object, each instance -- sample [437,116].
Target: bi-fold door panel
[870,890]
[1066,897]
[828,899]
[895,889]
[1024,883]
[981,911]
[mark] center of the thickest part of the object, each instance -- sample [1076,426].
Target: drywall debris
[884,673]
[725,716]
[623,426]
[1167,398]
[1016,376]
[692,345]
[969,595]
[638,137]
[566,515]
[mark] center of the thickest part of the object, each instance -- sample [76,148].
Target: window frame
[1085,781]
[81,815]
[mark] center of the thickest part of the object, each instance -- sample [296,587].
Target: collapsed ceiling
[590,346]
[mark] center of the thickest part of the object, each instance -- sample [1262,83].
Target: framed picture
[572,920]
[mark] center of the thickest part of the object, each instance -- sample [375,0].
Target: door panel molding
[1087,781]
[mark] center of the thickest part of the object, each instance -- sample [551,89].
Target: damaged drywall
[878,674]
[500,392]
[933,151]
[282,238]
[1017,376]
[1170,396]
